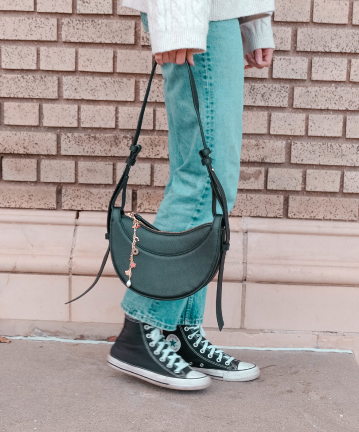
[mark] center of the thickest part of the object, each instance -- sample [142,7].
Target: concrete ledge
[287,282]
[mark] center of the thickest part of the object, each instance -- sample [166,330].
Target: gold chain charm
[134,250]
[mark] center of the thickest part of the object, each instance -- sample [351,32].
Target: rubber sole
[245,375]
[160,380]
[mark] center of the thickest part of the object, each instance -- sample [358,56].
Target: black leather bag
[167,265]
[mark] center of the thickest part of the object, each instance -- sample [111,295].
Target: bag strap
[217,189]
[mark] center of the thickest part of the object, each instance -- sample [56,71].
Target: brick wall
[74,72]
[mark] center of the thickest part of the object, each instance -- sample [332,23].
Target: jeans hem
[156,323]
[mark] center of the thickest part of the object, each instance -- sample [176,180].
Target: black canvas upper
[134,346]
[193,352]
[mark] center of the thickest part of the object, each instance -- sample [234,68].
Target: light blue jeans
[188,196]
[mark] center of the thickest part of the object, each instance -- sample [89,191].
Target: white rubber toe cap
[245,366]
[195,375]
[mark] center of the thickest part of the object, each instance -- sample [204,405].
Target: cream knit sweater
[175,24]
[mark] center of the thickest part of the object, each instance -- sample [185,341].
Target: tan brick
[27,143]
[122,10]
[18,57]
[153,146]
[30,197]
[323,181]
[161,174]
[337,98]
[59,171]
[325,125]
[128,118]
[61,59]
[140,173]
[258,205]
[95,172]
[292,10]
[266,95]
[22,28]
[351,182]
[328,40]
[94,88]
[282,38]
[354,70]
[287,124]
[352,127]
[314,153]
[95,144]
[156,93]
[331,11]
[28,86]
[290,67]
[149,200]
[95,60]
[129,61]
[264,151]
[251,178]
[284,179]
[161,119]
[19,169]
[94,6]
[94,199]
[56,115]
[255,122]
[145,37]
[95,116]
[98,31]
[54,6]
[21,114]
[255,73]
[329,69]
[356,13]
[301,207]
[17,5]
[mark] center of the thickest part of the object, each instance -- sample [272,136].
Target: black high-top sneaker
[142,351]
[191,344]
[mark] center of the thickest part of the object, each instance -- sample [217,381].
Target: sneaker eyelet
[161,359]
[218,360]
[227,364]
[190,337]
[202,351]
[169,366]
[186,329]
[148,335]
[146,327]
[210,356]
[152,344]
[195,344]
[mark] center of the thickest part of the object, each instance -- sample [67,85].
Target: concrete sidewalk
[65,387]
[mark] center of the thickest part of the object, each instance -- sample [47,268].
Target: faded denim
[219,75]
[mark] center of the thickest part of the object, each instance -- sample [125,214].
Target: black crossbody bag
[167,265]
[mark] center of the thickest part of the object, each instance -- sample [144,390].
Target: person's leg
[188,196]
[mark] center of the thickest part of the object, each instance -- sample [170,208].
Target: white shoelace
[163,347]
[197,331]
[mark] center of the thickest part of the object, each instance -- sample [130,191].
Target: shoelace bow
[164,347]
[198,332]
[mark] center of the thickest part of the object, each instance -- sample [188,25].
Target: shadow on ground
[63,387]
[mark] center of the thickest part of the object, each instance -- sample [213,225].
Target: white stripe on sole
[160,380]
[241,375]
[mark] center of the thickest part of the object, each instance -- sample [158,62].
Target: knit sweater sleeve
[177,24]
[257,32]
